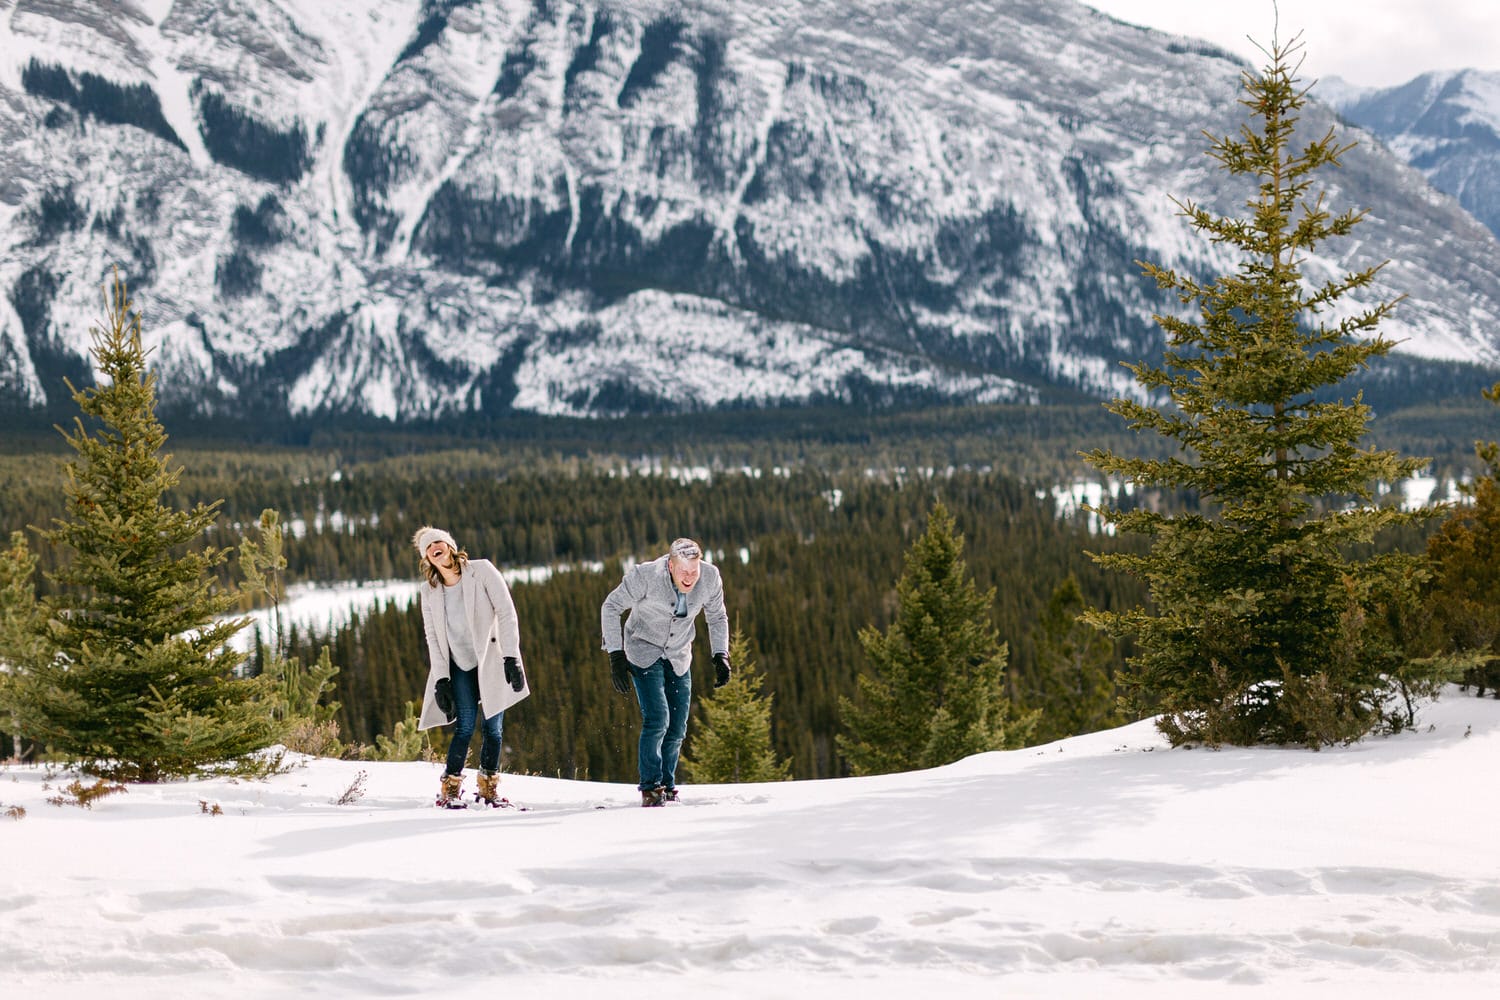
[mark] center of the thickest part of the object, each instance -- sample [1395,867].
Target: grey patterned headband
[686,550]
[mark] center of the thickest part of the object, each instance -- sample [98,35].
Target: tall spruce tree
[143,686]
[1259,630]
[734,743]
[936,691]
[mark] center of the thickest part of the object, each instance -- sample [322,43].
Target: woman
[474,659]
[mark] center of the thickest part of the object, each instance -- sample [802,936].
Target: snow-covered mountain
[417,207]
[1447,125]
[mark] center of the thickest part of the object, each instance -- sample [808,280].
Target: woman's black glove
[514,676]
[443,695]
[619,671]
[721,669]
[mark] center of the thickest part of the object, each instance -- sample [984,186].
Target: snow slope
[1104,865]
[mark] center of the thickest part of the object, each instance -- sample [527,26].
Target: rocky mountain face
[412,208]
[1447,125]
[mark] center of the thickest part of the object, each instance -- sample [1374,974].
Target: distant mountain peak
[1447,125]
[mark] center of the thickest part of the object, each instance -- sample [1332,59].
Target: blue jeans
[466,707]
[665,699]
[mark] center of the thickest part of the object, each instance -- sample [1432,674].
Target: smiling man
[653,652]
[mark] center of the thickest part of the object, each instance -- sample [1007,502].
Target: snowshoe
[489,791]
[450,793]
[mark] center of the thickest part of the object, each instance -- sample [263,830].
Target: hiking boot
[450,792]
[651,797]
[669,795]
[489,790]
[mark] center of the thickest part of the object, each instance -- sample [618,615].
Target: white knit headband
[427,535]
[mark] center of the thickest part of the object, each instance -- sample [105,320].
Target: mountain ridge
[411,209]
[1445,124]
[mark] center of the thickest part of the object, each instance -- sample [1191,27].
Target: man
[654,652]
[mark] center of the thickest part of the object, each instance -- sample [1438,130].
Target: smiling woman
[1373,43]
[474,659]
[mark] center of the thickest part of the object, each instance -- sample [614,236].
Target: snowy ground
[1101,866]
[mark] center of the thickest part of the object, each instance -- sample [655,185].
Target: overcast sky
[1367,42]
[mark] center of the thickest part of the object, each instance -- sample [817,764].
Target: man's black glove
[443,695]
[514,676]
[619,671]
[721,669]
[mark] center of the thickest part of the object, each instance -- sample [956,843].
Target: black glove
[721,669]
[443,695]
[514,676]
[619,671]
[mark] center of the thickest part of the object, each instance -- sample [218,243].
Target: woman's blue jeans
[665,699]
[466,707]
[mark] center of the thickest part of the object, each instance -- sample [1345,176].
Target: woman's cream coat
[492,623]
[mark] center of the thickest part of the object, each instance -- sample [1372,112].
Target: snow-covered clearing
[1104,865]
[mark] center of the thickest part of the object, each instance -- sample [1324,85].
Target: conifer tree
[734,742]
[22,647]
[1259,630]
[143,686]
[263,566]
[405,743]
[1465,558]
[1071,687]
[308,725]
[936,691]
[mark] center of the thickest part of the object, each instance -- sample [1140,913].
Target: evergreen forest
[810,530]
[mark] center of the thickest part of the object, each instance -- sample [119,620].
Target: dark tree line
[93,96]
[824,551]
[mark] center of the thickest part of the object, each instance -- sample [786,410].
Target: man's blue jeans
[466,707]
[665,699]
